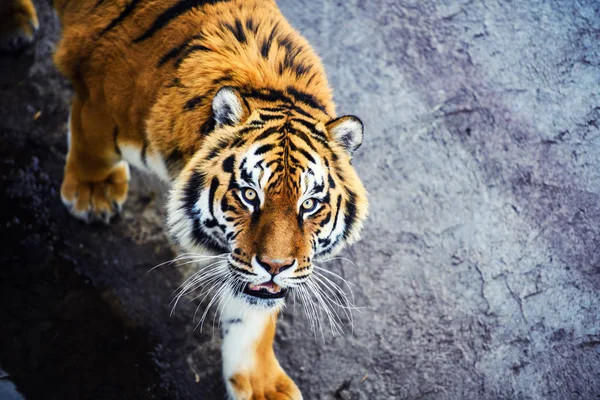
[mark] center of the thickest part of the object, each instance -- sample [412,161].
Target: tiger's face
[273,189]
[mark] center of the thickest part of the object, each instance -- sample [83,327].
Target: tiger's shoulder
[158,64]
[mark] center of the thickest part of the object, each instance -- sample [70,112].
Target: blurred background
[478,275]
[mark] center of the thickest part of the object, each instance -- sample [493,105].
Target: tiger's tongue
[271,287]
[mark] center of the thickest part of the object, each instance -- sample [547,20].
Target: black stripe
[98,3]
[306,98]
[221,145]
[191,193]
[314,134]
[324,242]
[251,25]
[275,161]
[266,134]
[325,220]
[208,126]
[313,76]
[241,261]
[214,185]
[266,46]
[331,181]
[247,129]
[124,14]
[228,164]
[172,13]
[308,125]
[299,276]
[263,149]
[337,213]
[244,175]
[174,159]
[174,52]
[301,111]
[176,82]
[350,214]
[270,95]
[294,160]
[192,103]
[270,117]
[302,136]
[171,54]
[237,30]
[202,239]
[300,150]
[301,69]
[292,51]
[144,152]
[115,136]
[192,49]
[219,81]
[225,208]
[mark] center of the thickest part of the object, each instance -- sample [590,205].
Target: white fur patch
[154,162]
[242,327]
[157,165]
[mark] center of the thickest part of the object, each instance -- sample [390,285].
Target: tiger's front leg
[250,367]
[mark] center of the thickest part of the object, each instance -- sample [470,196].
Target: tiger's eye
[249,194]
[309,205]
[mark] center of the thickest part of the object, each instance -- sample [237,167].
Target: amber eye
[309,205]
[249,195]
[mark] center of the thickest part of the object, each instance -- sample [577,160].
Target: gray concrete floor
[478,275]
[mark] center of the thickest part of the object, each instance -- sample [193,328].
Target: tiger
[228,105]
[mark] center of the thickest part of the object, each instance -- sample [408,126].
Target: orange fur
[146,73]
[267,381]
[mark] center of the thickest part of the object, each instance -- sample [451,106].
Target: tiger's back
[145,59]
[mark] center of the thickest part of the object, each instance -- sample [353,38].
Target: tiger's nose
[274,266]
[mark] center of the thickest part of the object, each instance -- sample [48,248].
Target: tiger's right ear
[227,107]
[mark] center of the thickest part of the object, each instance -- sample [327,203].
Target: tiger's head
[272,188]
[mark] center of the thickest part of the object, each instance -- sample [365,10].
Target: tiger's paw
[96,200]
[266,387]
[18,24]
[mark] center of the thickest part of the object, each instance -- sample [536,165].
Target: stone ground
[479,270]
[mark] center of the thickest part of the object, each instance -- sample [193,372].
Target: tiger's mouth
[266,290]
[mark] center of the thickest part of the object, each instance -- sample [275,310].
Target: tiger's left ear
[347,131]
[227,107]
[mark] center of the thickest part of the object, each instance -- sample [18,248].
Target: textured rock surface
[479,270]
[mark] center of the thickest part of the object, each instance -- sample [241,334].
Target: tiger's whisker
[338,258]
[186,256]
[349,284]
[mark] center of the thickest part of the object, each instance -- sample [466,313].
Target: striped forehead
[261,169]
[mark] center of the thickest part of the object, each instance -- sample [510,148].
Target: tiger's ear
[347,131]
[227,106]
